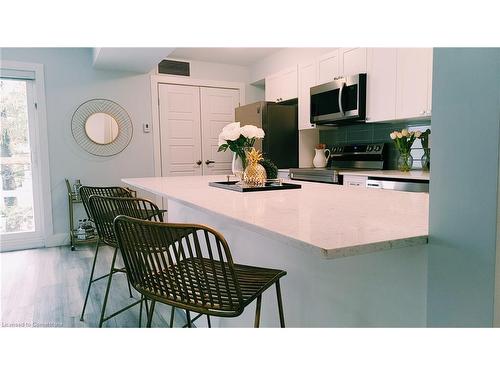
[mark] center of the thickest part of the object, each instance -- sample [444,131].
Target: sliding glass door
[20,219]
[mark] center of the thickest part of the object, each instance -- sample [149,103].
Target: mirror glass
[101,128]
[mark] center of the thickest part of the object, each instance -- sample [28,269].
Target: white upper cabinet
[381,84]
[307,79]
[414,83]
[352,61]
[282,85]
[328,67]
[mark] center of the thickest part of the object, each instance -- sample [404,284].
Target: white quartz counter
[335,221]
[411,175]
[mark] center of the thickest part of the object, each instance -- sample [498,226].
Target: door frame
[156,80]
[40,157]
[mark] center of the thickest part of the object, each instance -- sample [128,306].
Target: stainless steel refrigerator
[279,122]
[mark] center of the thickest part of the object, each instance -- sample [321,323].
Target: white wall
[225,72]
[69,81]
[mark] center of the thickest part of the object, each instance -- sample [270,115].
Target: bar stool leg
[280,304]
[208,321]
[150,315]
[172,317]
[128,283]
[188,318]
[257,312]
[90,280]
[112,270]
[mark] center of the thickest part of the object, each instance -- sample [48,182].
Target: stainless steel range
[344,157]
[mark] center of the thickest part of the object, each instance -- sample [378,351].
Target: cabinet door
[217,110]
[180,135]
[352,61]
[328,67]
[412,96]
[381,84]
[282,86]
[307,79]
[271,91]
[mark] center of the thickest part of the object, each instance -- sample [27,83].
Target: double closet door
[191,119]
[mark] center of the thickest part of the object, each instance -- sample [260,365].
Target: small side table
[73,238]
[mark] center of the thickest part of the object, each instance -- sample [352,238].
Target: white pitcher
[321,157]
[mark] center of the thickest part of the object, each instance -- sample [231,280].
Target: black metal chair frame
[189,266]
[103,210]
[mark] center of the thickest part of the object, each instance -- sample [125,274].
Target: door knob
[199,162]
[207,162]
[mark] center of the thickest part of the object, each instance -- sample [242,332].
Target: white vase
[321,157]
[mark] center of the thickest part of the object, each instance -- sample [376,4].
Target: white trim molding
[42,150]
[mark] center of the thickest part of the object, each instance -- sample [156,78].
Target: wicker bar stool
[103,211]
[85,193]
[190,266]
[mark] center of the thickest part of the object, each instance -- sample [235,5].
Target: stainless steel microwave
[341,101]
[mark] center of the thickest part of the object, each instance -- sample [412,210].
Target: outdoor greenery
[16,212]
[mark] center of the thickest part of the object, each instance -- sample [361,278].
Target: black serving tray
[233,185]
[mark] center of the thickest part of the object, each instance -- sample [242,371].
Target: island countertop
[332,219]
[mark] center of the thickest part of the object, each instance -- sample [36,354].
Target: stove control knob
[378,148]
[369,149]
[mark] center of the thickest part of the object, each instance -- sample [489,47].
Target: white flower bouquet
[237,138]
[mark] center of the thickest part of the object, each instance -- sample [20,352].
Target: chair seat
[219,294]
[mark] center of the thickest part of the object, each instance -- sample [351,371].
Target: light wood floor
[46,287]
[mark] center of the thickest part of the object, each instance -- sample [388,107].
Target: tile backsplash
[375,133]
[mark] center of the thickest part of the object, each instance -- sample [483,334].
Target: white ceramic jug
[321,157]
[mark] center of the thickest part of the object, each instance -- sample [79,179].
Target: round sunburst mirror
[101,127]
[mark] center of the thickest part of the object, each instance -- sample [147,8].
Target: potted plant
[404,140]
[239,139]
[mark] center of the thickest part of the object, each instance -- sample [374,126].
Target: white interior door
[180,130]
[217,110]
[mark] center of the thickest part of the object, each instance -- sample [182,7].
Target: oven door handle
[340,98]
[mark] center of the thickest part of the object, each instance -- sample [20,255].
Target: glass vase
[426,159]
[239,164]
[405,161]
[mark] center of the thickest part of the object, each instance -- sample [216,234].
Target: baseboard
[57,239]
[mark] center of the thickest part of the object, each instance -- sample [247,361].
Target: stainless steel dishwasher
[416,186]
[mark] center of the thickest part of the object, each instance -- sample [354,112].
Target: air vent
[178,68]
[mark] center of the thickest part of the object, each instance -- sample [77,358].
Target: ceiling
[234,56]
[139,60]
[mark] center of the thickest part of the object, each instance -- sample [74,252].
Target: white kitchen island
[354,257]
